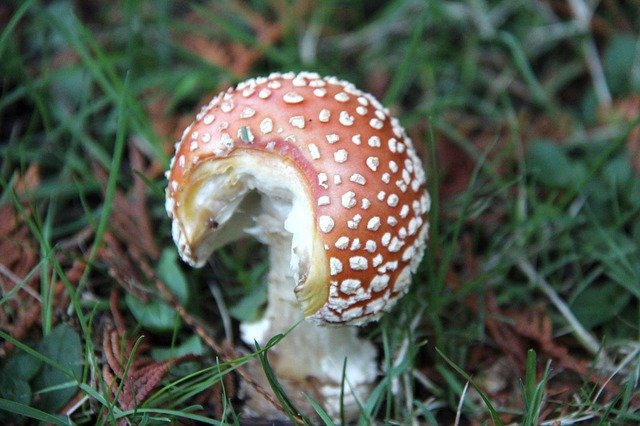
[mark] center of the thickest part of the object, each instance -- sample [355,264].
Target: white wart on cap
[364,186]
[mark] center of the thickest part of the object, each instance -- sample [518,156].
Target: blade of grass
[533,392]
[321,412]
[110,191]
[34,413]
[9,29]
[287,405]
[492,411]
[408,63]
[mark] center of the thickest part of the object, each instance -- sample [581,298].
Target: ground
[526,113]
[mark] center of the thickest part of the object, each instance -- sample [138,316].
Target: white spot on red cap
[370,246]
[358,263]
[322,180]
[264,93]
[341,155]
[297,121]
[374,223]
[358,178]
[313,150]
[326,223]
[320,92]
[354,221]
[350,286]
[292,98]
[341,97]
[332,138]
[376,123]
[247,112]
[227,106]
[266,126]
[373,163]
[379,282]
[324,115]
[374,142]
[346,119]
[395,245]
[335,266]
[342,243]
[348,199]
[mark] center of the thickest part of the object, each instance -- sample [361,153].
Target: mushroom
[318,171]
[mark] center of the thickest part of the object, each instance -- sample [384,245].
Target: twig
[224,312]
[633,354]
[587,340]
[16,281]
[461,403]
[583,15]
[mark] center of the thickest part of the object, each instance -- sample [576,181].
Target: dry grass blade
[19,259]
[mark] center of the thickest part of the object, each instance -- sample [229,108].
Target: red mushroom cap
[363,179]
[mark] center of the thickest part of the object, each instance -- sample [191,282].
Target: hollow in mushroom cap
[362,180]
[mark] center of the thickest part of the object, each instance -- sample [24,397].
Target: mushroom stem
[309,360]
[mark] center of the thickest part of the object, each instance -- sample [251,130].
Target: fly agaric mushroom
[319,171]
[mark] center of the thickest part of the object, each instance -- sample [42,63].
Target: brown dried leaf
[228,54]
[121,268]
[131,381]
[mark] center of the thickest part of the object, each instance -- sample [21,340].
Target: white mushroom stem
[310,359]
[265,198]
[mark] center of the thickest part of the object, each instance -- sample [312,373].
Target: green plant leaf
[549,165]
[170,272]
[63,346]
[22,365]
[155,315]
[619,61]
[14,388]
[192,345]
[599,303]
[250,306]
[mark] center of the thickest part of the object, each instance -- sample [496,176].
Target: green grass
[515,107]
